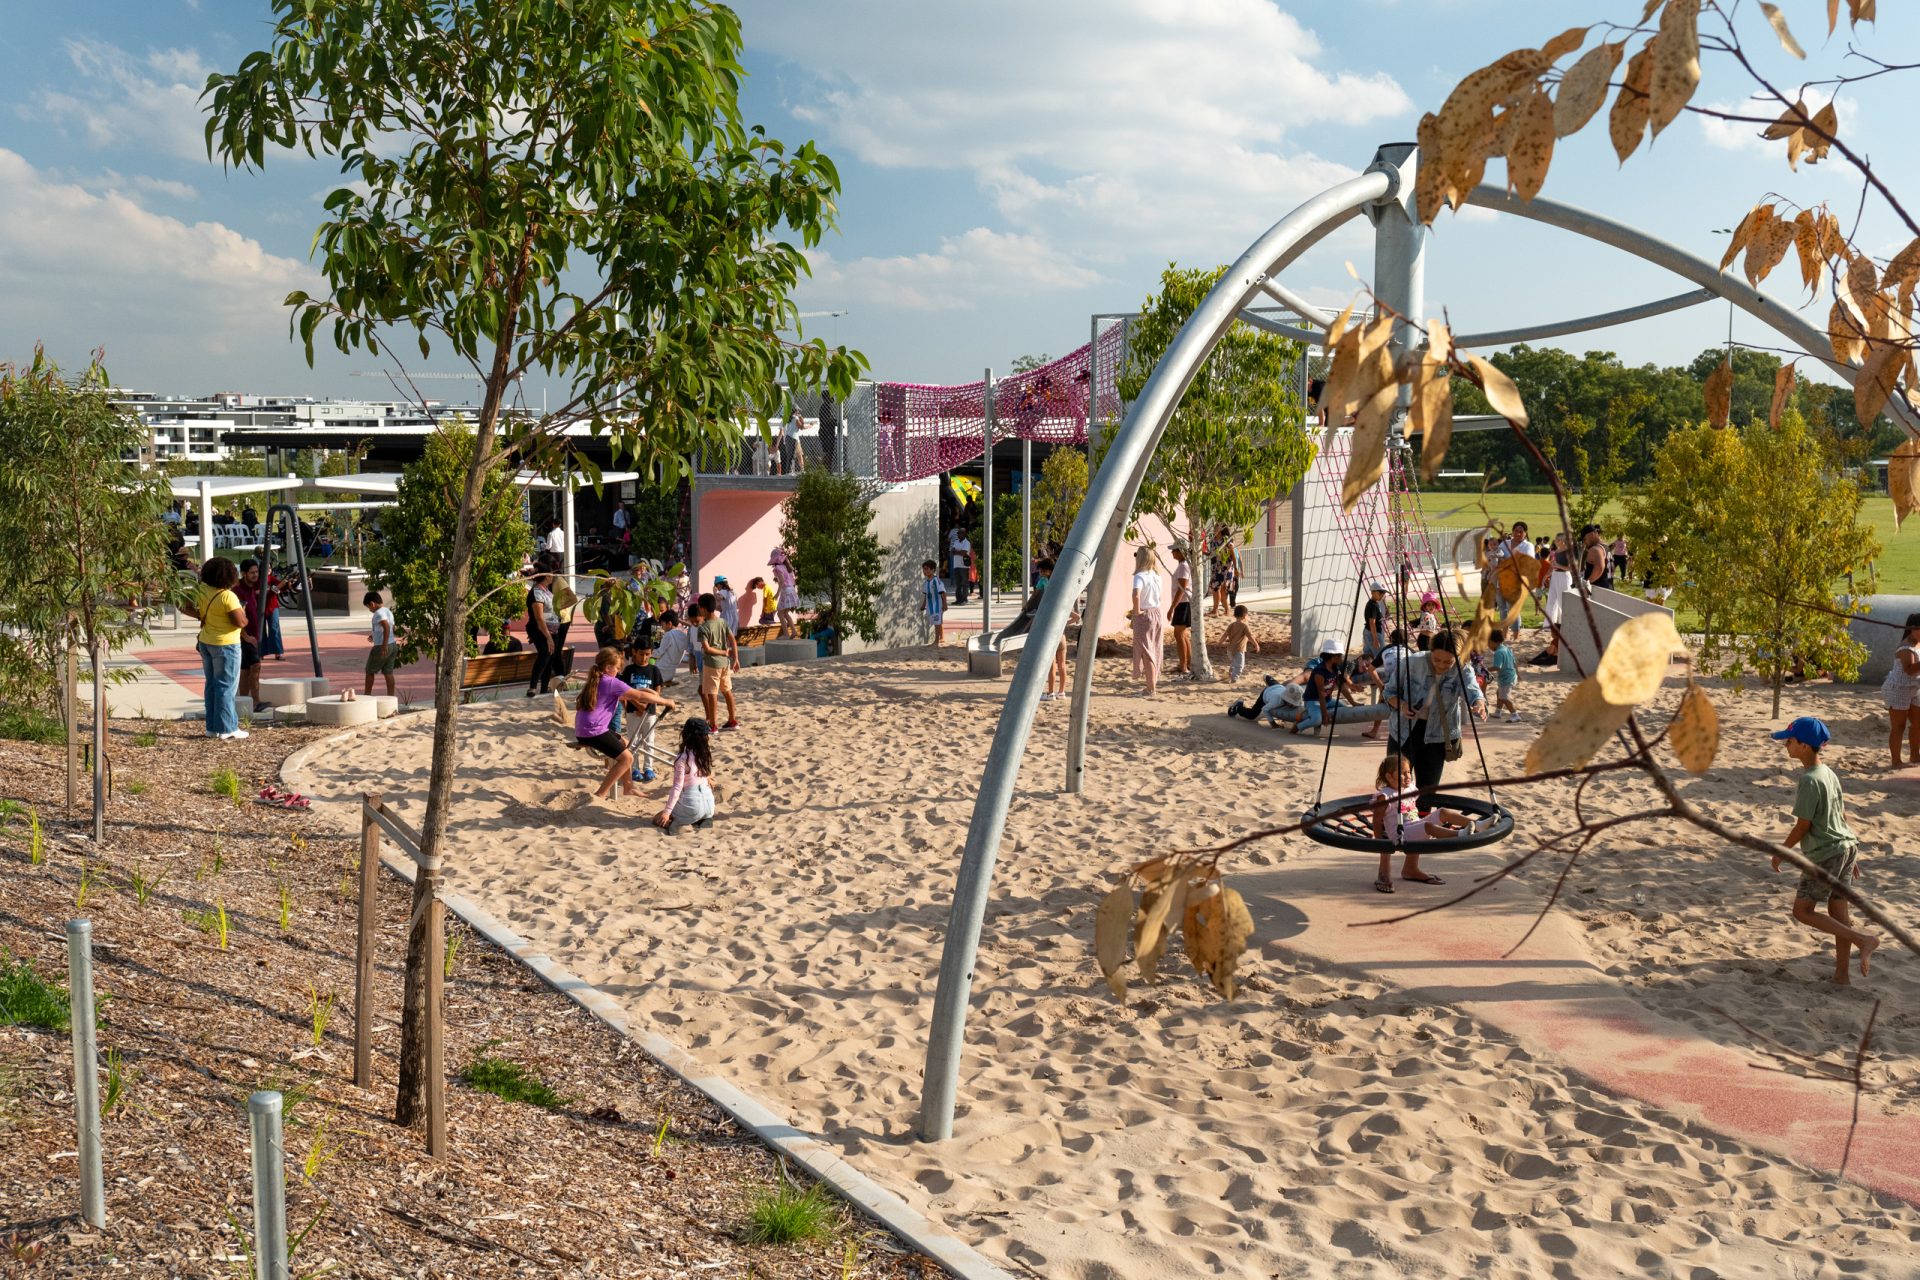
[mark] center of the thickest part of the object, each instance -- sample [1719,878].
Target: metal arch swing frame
[1385,192]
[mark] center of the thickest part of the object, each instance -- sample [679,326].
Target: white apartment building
[193,428]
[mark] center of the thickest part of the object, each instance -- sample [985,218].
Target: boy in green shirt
[1821,832]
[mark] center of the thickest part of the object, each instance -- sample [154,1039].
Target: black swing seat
[1347,823]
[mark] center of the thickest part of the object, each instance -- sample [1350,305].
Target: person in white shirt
[959,558]
[1148,624]
[555,540]
[671,655]
[790,463]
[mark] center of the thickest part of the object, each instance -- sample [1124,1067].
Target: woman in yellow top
[222,620]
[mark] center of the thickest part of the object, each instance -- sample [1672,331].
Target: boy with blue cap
[1820,831]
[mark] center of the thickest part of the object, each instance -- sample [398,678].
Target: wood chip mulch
[590,1189]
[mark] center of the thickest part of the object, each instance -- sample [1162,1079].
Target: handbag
[1454,749]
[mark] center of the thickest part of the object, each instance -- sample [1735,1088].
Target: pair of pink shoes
[274,797]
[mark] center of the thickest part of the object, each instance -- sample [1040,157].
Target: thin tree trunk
[99,743]
[450,663]
[1202,666]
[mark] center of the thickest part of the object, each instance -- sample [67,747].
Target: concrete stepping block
[331,710]
[288,692]
[755,656]
[385,705]
[790,651]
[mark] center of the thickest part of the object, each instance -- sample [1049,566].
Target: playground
[1408,1094]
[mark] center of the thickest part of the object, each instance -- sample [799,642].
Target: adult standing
[223,620]
[1373,636]
[1182,617]
[1559,582]
[1431,694]
[790,462]
[1226,574]
[1595,567]
[543,625]
[251,592]
[1618,552]
[959,562]
[1148,623]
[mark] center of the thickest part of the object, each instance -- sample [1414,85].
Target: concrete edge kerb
[804,1149]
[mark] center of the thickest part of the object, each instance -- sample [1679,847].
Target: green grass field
[1898,566]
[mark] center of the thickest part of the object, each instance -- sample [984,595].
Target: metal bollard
[269,1187]
[86,1075]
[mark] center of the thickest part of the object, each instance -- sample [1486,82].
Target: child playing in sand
[691,800]
[1901,692]
[1238,637]
[641,673]
[593,719]
[1394,819]
[933,594]
[1820,831]
[1506,674]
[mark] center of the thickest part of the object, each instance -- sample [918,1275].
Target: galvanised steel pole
[986,509]
[86,1071]
[269,1187]
[1112,485]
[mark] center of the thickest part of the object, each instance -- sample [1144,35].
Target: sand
[1323,1123]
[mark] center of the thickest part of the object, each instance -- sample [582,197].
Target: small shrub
[120,1078]
[90,881]
[788,1215]
[9,810]
[319,1013]
[214,863]
[286,906]
[510,1080]
[142,886]
[210,920]
[225,782]
[28,1000]
[134,787]
[28,725]
[145,738]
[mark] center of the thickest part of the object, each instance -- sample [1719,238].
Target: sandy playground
[1327,1121]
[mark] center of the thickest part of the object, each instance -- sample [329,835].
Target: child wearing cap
[1374,637]
[1820,831]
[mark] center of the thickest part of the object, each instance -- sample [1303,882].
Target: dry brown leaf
[1783,383]
[1648,11]
[1903,269]
[1859,11]
[1517,575]
[1430,172]
[1720,393]
[1861,280]
[1110,928]
[1431,410]
[1168,905]
[1636,659]
[1791,121]
[1463,132]
[1369,458]
[1338,328]
[1577,731]
[1695,732]
[1205,937]
[1529,144]
[1584,87]
[1806,239]
[1676,62]
[1820,135]
[1564,43]
[1499,389]
[1197,893]
[1236,926]
[1743,232]
[1768,244]
[1833,241]
[1373,364]
[1833,15]
[1874,381]
[1903,480]
[1627,122]
[1333,396]
[1780,28]
[1845,333]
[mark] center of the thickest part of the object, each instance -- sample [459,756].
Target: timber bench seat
[502,670]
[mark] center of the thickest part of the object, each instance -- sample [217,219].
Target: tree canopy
[827,527]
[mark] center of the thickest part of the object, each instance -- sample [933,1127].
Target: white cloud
[966,270]
[1121,125]
[1729,135]
[80,266]
[119,101]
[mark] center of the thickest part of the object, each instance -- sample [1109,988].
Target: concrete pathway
[1556,1002]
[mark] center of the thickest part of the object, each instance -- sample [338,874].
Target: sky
[1009,169]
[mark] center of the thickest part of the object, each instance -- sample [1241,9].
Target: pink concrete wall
[734,531]
[1120,585]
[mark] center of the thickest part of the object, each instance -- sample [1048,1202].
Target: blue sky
[1009,169]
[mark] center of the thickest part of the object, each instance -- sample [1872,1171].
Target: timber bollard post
[269,1187]
[86,1073]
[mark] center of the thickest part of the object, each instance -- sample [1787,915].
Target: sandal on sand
[286,800]
[1384,886]
[1424,878]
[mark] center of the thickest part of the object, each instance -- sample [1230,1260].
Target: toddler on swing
[1395,820]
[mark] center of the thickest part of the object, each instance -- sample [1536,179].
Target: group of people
[238,607]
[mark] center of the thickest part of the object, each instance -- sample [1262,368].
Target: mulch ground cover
[630,1174]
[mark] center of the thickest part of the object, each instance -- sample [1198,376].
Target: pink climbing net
[924,430]
[1386,532]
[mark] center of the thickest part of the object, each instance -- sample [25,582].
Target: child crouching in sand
[1820,831]
[691,800]
[1395,820]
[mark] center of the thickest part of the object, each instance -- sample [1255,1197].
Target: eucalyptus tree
[566,191]
[1236,442]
